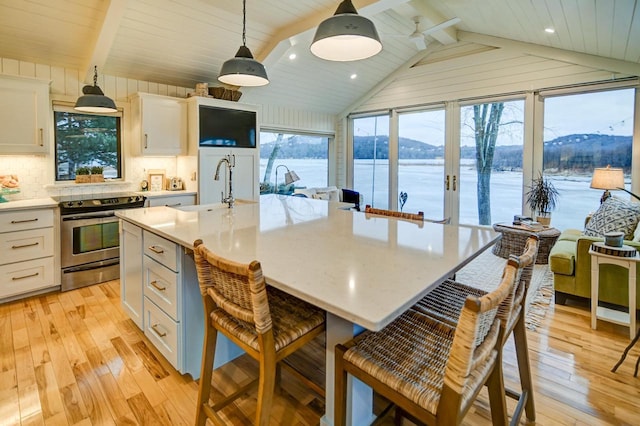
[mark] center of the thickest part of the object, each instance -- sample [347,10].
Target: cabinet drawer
[162,331]
[24,277]
[25,245]
[171,201]
[161,286]
[25,219]
[161,250]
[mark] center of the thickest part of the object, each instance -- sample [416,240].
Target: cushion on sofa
[562,258]
[614,214]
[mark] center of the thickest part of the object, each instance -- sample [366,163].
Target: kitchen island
[363,270]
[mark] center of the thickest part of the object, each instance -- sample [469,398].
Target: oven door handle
[91,267]
[92,216]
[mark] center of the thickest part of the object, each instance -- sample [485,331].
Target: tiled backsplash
[36,178]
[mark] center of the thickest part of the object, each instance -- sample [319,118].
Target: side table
[607,314]
[514,238]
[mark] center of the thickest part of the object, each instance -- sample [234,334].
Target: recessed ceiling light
[549,30]
[354,76]
[292,56]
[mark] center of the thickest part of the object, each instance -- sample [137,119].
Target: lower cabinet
[177,200]
[131,271]
[166,302]
[27,245]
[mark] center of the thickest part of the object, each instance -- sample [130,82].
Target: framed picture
[156,181]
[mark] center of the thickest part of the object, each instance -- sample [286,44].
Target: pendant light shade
[93,99]
[242,69]
[346,36]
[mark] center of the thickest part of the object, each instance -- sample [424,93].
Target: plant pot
[97,178]
[83,178]
[544,220]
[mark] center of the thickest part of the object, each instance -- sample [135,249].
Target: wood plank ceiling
[183,42]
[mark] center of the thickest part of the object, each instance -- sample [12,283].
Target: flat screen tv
[223,127]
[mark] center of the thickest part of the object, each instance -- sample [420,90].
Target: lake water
[423,181]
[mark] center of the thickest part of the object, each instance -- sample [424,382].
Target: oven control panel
[98,204]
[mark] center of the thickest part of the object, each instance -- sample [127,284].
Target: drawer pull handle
[154,327]
[25,245]
[173,205]
[25,276]
[155,284]
[24,221]
[157,250]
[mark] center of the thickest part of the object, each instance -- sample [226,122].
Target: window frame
[68,107]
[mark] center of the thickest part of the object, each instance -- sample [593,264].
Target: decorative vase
[83,178]
[97,178]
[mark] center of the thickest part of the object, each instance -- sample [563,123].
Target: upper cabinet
[24,115]
[159,124]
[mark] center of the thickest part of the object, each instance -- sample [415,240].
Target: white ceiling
[183,42]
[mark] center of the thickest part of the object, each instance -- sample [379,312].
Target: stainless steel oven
[89,238]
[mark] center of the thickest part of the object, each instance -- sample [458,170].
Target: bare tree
[486,118]
[272,157]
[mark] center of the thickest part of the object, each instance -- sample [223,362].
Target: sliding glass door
[421,162]
[489,180]
[371,159]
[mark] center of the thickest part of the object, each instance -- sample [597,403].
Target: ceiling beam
[104,41]
[431,18]
[576,58]
[287,34]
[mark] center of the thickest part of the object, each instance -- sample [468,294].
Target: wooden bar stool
[430,369]
[392,213]
[446,301]
[266,323]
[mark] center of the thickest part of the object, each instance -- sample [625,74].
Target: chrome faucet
[230,161]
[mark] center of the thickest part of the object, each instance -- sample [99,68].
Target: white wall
[36,172]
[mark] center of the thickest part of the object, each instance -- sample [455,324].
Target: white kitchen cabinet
[170,285]
[24,115]
[159,124]
[131,293]
[173,200]
[27,243]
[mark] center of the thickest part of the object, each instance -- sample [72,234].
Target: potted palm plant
[542,198]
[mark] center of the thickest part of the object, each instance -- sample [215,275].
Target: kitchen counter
[364,269]
[28,204]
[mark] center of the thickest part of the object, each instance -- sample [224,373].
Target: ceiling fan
[418,37]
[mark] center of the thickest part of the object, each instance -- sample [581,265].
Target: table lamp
[607,178]
[289,177]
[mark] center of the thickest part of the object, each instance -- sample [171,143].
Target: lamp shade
[607,178]
[290,177]
[243,70]
[346,36]
[93,99]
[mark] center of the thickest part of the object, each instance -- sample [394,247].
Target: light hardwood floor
[75,358]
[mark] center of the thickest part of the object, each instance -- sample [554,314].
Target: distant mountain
[583,150]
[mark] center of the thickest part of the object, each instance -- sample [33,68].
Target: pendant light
[243,70]
[346,36]
[93,99]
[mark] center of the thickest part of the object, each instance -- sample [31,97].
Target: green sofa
[570,263]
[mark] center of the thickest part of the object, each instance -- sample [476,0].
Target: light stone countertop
[362,268]
[29,204]
[165,193]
